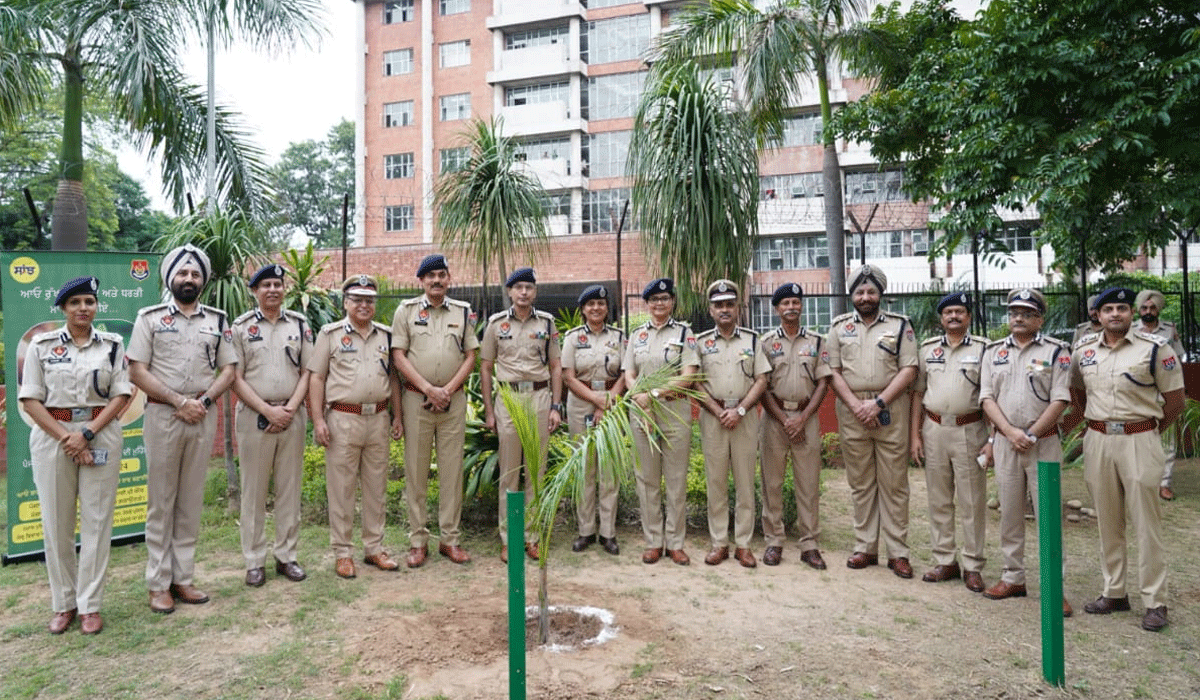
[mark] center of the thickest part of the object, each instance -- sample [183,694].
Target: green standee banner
[30,282]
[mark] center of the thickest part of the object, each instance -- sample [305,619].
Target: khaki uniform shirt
[949,376]
[1123,382]
[1165,330]
[356,369]
[796,364]
[650,348]
[272,354]
[1084,329]
[61,375]
[595,357]
[871,355]
[730,365]
[1023,382]
[522,350]
[183,352]
[435,339]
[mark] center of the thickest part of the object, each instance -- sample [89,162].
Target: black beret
[596,291]
[1115,295]
[266,272]
[791,290]
[662,284]
[77,286]
[954,299]
[524,274]
[431,263]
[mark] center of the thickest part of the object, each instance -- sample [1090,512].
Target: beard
[185,292]
[1148,318]
[866,308]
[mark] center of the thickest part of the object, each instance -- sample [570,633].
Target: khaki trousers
[177,456]
[264,456]
[877,472]
[1017,474]
[422,429]
[76,583]
[953,474]
[607,490]
[806,481]
[663,466]
[512,455]
[725,451]
[357,456]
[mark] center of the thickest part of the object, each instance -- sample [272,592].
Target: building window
[1018,237]
[617,39]
[543,149]
[398,113]
[396,12]
[866,188]
[536,94]
[398,166]
[399,218]
[886,244]
[607,151]
[793,186]
[802,130]
[542,36]
[455,53]
[602,211]
[455,7]
[454,159]
[614,96]
[815,316]
[398,62]
[456,106]
[792,253]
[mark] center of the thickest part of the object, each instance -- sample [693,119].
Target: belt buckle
[78,414]
[1114,426]
[599,385]
[368,409]
[791,405]
[524,387]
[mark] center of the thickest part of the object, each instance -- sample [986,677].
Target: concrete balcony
[541,118]
[514,13]
[550,60]
[555,173]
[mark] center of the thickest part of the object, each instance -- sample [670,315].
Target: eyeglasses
[663,299]
[1024,314]
[361,300]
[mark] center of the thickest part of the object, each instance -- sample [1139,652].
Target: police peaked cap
[1028,298]
[360,284]
[722,290]
[75,287]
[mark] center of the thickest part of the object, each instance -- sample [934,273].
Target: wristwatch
[557,407]
[879,402]
[205,400]
[1032,438]
[741,410]
[88,434]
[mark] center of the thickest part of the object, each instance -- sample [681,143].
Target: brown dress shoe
[652,555]
[62,620]
[454,553]
[973,580]
[716,555]
[813,558]
[382,561]
[861,560]
[1155,619]
[187,593]
[942,572]
[679,556]
[162,602]
[1107,606]
[610,545]
[581,543]
[90,623]
[290,570]
[1165,493]
[745,557]
[256,577]
[531,550]
[416,557]
[345,567]
[1067,609]
[1004,589]
[901,567]
[772,556]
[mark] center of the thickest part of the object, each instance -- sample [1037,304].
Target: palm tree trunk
[831,171]
[68,224]
[543,600]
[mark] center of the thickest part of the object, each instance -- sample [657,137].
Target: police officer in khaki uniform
[591,362]
[1149,305]
[434,347]
[1090,326]
[74,386]
[662,455]
[735,374]
[181,355]
[273,347]
[873,355]
[798,381]
[948,433]
[1023,389]
[350,389]
[1118,378]
[520,348]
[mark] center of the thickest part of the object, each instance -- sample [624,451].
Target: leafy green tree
[490,208]
[125,55]
[138,226]
[311,180]
[1087,110]
[695,181]
[778,51]
[304,294]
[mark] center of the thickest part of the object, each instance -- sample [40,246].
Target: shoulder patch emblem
[1169,363]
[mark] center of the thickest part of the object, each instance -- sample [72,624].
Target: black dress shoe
[581,543]
[256,577]
[1107,606]
[610,545]
[772,556]
[813,558]
[291,570]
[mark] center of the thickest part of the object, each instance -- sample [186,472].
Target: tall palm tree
[778,50]
[491,208]
[695,180]
[126,55]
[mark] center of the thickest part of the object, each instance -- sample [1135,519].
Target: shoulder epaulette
[153,309]
[843,317]
[710,331]
[245,317]
[543,314]
[751,331]
[498,315]
[979,339]
[576,328]
[212,309]
[47,335]
[930,340]
[457,302]
[994,343]
[381,327]
[1085,339]
[1055,341]
[295,315]
[110,336]
[332,326]
[892,314]
[1152,337]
